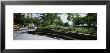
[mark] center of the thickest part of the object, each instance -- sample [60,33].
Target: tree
[50,18]
[91,19]
[28,20]
[75,18]
[36,21]
[66,24]
[18,19]
[70,16]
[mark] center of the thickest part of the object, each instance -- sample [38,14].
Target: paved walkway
[18,35]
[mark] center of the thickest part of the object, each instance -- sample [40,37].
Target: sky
[63,17]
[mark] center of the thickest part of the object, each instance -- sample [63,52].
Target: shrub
[83,30]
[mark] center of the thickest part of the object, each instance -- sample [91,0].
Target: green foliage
[66,24]
[48,21]
[17,18]
[83,30]
[91,18]
[70,16]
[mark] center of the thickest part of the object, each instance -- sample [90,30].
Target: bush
[84,30]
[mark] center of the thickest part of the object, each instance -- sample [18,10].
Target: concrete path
[18,35]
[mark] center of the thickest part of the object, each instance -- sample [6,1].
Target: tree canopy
[45,19]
